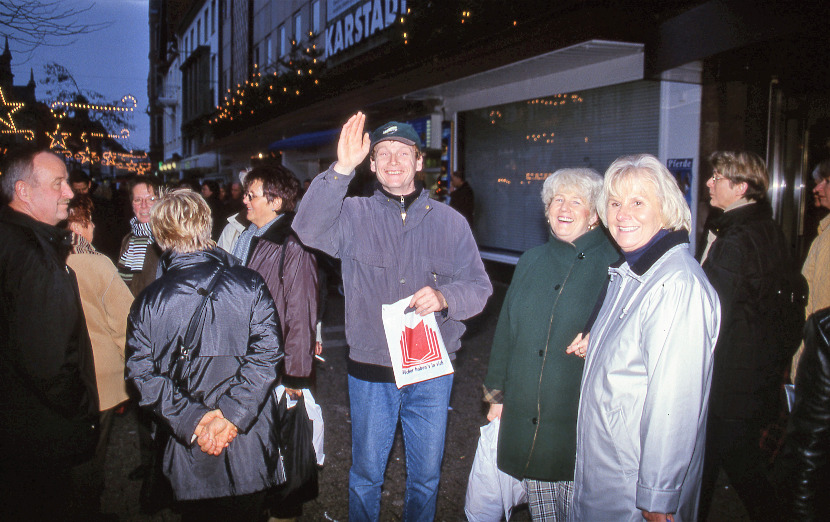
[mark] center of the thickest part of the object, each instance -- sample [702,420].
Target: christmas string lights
[129,98]
[7,109]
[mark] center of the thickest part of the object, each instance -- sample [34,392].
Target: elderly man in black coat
[49,410]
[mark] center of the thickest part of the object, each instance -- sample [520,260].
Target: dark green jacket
[554,289]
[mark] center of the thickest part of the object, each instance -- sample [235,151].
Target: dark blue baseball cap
[396,131]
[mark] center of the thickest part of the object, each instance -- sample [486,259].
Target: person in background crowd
[137,264]
[531,383]
[747,261]
[269,246]
[139,255]
[80,182]
[213,393]
[816,268]
[108,234]
[106,303]
[390,249]
[461,197]
[237,222]
[49,411]
[808,433]
[210,191]
[645,388]
[234,203]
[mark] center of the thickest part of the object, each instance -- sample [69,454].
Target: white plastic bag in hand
[416,347]
[315,413]
[491,493]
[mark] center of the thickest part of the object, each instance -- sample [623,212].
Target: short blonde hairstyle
[640,169]
[181,222]
[587,183]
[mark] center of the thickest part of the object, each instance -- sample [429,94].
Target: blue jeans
[375,410]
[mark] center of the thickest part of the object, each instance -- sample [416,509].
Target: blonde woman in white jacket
[642,413]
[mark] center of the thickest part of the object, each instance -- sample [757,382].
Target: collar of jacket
[657,250]
[756,211]
[583,244]
[414,213]
[176,261]
[58,238]
[278,232]
[240,219]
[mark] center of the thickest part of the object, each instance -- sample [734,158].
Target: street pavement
[466,415]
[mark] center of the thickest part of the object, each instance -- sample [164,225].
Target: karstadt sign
[357,20]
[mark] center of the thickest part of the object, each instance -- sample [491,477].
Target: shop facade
[548,86]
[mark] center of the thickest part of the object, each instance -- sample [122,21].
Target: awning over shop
[204,161]
[325,137]
[307,140]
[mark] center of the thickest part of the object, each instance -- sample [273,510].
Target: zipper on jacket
[403,210]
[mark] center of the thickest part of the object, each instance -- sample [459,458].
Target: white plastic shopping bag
[491,493]
[415,344]
[315,415]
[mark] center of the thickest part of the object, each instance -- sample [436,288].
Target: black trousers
[36,491]
[734,446]
[242,508]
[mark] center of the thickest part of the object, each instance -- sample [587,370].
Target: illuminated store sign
[359,20]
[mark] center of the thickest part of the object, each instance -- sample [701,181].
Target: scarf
[243,244]
[132,260]
[81,246]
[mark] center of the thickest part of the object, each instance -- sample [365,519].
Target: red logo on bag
[419,345]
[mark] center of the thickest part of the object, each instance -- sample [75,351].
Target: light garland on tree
[263,95]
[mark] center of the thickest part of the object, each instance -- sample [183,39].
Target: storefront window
[509,150]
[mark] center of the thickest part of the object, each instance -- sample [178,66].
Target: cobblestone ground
[466,416]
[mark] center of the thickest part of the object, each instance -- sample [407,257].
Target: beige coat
[815,271]
[106,301]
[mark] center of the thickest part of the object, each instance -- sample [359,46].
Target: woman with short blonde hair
[181,222]
[203,350]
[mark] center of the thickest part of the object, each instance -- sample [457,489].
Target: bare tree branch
[29,24]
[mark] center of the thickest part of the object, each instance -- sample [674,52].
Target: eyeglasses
[149,200]
[716,177]
[251,196]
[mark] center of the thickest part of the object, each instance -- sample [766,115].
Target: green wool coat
[553,292]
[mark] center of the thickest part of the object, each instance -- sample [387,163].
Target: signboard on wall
[352,21]
[682,170]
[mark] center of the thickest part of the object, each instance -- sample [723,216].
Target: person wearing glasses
[137,263]
[139,254]
[748,261]
[269,246]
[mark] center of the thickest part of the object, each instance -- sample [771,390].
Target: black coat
[234,369]
[749,265]
[808,435]
[47,374]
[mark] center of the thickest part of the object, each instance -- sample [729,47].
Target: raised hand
[353,146]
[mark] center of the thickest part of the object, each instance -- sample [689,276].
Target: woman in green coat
[531,383]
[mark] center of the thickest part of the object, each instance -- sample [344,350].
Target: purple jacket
[385,259]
